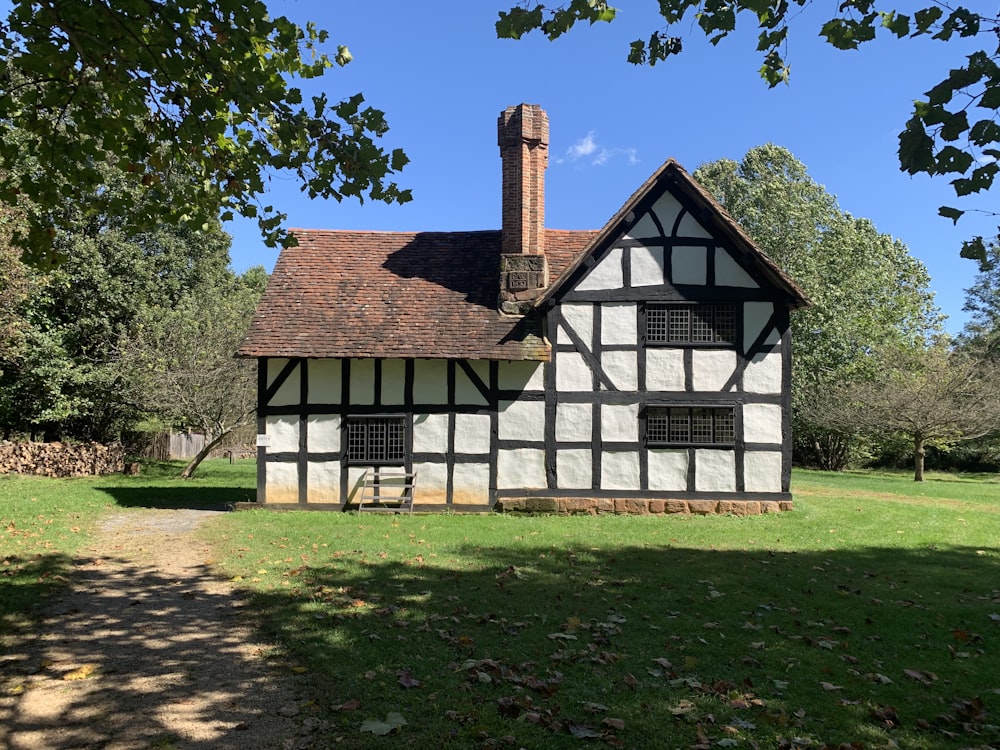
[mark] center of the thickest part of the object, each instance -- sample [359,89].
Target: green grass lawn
[869,616]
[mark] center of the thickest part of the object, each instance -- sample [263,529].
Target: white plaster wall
[580,318]
[521,420]
[715,471]
[354,475]
[574,469]
[393,382]
[755,317]
[711,368]
[282,482]
[432,482]
[324,482]
[471,484]
[430,433]
[521,467]
[762,471]
[620,423]
[283,434]
[607,274]
[430,381]
[667,470]
[763,373]
[621,369]
[664,369]
[324,381]
[666,209]
[362,381]
[619,324]
[573,422]
[647,266]
[690,227]
[730,273]
[472,433]
[466,392]
[572,372]
[619,470]
[324,433]
[762,423]
[520,376]
[289,393]
[689,265]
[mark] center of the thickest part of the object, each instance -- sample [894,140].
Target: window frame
[390,456]
[661,435]
[657,317]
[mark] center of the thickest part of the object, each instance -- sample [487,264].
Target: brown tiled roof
[397,294]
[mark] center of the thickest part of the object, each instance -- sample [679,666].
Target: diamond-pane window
[376,440]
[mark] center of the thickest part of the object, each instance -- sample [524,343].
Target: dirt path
[149,650]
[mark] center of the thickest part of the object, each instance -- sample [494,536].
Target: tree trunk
[203,454]
[918,458]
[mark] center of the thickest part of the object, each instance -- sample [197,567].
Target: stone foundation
[641,506]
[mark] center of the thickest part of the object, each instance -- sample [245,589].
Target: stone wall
[642,506]
[61,459]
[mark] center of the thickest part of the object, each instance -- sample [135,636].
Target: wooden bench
[387,490]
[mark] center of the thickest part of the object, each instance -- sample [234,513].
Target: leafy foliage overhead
[953,131]
[159,86]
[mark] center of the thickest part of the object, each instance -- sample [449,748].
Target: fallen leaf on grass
[406,679]
[81,673]
[351,705]
[830,687]
[583,732]
[393,721]
[921,676]
[683,708]
[613,723]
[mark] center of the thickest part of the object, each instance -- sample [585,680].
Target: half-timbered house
[643,367]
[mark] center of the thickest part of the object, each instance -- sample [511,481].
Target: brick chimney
[523,136]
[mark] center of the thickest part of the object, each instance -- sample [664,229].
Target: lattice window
[686,425]
[713,323]
[376,440]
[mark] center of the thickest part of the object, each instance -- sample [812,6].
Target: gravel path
[149,649]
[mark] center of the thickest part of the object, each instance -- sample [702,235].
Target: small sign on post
[263,441]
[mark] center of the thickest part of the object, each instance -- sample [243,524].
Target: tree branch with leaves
[158,88]
[953,131]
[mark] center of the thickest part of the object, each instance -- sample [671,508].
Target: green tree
[182,360]
[933,396]
[953,130]
[866,288]
[982,302]
[196,94]
[13,285]
[66,379]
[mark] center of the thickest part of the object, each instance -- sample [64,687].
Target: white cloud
[583,147]
[589,150]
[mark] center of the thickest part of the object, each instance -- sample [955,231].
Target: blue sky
[441,76]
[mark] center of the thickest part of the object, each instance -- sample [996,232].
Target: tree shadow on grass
[135,657]
[653,647]
[183,496]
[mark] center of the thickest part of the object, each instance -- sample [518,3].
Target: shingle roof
[397,294]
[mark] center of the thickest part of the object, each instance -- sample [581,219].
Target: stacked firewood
[61,459]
